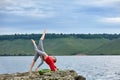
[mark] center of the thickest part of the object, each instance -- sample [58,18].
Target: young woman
[39,52]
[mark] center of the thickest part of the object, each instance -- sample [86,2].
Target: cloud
[97,2]
[29,8]
[110,20]
[83,16]
[50,9]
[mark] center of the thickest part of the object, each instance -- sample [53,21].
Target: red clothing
[50,61]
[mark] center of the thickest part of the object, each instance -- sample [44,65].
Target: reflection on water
[92,67]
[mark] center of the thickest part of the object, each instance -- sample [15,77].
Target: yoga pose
[39,52]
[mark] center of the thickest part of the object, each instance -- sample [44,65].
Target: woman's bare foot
[33,41]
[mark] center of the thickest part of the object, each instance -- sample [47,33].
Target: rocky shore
[43,75]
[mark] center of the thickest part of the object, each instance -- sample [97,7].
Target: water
[91,67]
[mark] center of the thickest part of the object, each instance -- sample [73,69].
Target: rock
[79,77]
[44,75]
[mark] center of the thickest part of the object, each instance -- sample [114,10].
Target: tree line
[54,36]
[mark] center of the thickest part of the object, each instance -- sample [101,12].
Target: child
[39,52]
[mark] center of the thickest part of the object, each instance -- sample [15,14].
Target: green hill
[110,48]
[62,46]
[71,46]
[16,47]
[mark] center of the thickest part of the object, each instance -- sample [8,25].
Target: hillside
[16,47]
[71,46]
[62,46]
[110,48]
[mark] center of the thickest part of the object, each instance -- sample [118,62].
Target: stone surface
[58,75]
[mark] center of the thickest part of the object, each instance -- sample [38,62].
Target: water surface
[91,67]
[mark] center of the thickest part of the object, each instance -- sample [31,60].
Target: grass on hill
[16,47]
[110,48]
[61,46]
[71,46]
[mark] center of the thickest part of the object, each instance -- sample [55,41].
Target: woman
[39,52]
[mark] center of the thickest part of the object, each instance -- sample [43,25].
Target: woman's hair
[55,59]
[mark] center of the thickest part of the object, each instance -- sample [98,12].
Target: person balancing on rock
[39,52]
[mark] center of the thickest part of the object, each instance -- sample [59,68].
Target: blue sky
[59,16]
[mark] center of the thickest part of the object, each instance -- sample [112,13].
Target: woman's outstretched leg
[40,45]
[37,50]
[43,35]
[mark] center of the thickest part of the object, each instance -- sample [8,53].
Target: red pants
[50,61]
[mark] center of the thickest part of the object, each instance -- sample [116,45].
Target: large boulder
[44,75]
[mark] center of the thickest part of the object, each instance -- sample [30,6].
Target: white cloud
[105,2]
[59,16]
[97,2]
[31,8]
[110,20]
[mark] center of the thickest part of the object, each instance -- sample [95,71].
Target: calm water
[91,67]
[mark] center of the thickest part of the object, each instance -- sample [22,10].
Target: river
[91,67]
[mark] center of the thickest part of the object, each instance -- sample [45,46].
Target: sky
[59,16]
